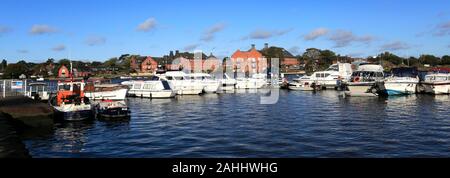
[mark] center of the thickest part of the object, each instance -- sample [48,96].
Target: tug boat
[109,109]
[70,102]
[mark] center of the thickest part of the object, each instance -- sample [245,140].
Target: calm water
[302,124]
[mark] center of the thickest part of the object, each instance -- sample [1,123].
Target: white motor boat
[38,91]
[299,85]
[403,81]
[106,91]
[154,88]
[227,83]
[330,78]
[437,83]
[210,85]
[366,81]
[181,83]
[257,81]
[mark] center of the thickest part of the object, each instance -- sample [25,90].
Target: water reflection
[301,124]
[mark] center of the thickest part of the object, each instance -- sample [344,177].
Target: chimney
[171,54]
[266,45]
[177,53]
[253,46]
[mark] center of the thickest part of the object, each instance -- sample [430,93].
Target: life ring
[357,79]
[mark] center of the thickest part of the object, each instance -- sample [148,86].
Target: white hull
[250,84]
[108,95]
[393,88]
[154,94]
[360,90]
[437,89]
[299,87]
[212,87]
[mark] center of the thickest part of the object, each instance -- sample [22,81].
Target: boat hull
[114,113]
[74,115]
[155,94]
[400,88]
[108,95]
[437,88]
[360,90]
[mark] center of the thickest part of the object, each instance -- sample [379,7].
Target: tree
[394,59]
[429,59]
[445,60]
[65,62]
[3,65]
[13,71]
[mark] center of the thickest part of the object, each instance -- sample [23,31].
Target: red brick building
[251,61]
[63,72]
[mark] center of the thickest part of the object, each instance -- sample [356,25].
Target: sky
[100,29]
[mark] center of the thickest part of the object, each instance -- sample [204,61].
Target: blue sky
[100,29]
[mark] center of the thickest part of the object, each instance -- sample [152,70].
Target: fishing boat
[403,81]
[181,83]
[106,91]
[366,81]
[257,81]
[109,109]
[38,91]
[70,103]
[210,85]
[330,78]
[153,88]
[437,83]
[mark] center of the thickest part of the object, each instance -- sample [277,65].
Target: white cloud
[316,34]
[191,47]
[22,51]
[442,29]
[42,29]
[95,40]
[209,34]
[343,38]
[147,25]
[4,29]
[394,46]
[60,47]
[266,34]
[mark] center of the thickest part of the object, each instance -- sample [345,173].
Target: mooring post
[4,88]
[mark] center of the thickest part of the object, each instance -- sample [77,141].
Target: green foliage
[13,71]
[445,60]
[429,59]
[394,59]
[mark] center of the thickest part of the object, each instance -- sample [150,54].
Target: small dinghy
[109,109]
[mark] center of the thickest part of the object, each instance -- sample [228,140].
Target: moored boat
[366,81]
[437,83]
[154,88]
[106,91]
[181,83]
[109,109]
[403,81]
[70,103]
[210,85]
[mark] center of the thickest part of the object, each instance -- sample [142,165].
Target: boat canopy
[405,72]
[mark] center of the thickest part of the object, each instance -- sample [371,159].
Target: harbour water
[301,124]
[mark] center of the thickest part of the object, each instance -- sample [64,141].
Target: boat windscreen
[166,85]
[154,78]
[405,72]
